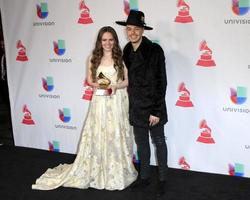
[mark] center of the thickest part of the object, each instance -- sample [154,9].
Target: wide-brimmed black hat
[135,18]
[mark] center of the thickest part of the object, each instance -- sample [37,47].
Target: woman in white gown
[104,158]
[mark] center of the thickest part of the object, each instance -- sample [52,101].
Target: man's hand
[153,120]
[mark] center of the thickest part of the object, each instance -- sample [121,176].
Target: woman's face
[107,41]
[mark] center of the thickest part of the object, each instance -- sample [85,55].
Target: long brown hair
[97,53]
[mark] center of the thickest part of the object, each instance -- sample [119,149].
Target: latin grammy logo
[22,51]
[205,136]
[27,119]
[206,56]
[183,163]
[183,13]
[184,98]
[85,17]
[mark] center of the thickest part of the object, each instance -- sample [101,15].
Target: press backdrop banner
[206,44]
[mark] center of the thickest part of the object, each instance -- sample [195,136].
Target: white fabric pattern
[104,158]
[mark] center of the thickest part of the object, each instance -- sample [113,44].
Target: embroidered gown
[104,158]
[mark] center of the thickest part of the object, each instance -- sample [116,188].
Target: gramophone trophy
[104,84]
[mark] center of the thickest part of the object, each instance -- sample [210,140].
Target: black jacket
[147,82]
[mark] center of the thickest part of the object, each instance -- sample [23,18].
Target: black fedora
[135,18]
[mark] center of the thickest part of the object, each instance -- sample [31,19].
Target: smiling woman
[104,158]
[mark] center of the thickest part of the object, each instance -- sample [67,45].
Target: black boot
[140,184]
[161,188]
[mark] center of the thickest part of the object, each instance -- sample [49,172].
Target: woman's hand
[95,86]
[113,88]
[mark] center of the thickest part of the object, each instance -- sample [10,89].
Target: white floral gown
[104,158]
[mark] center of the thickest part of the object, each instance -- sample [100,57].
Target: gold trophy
[104,83]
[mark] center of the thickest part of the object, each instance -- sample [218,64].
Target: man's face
[134,33]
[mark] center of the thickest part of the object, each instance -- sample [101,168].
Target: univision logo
[240,7]
[236,170]
[48,84]
[130,5]
[42,13]
[64,115]
[54,146]
[238,96]
[42,10]
[59,47]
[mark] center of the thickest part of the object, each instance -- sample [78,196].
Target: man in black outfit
[147,88]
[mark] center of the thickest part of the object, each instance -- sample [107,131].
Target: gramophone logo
[183,163]
[205,135]
[54,146]
[184,98]
[240,7]
[130,5]
[88,91]
[238,96]
[59,47]
[42,10]
[64,115]
[48,83]
[21,51]
[85,14]
[27,118]
[236,170]
[183,12]
[206,59]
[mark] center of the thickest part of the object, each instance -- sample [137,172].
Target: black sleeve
[159,82]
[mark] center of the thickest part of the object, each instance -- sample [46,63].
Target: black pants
[143,148]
